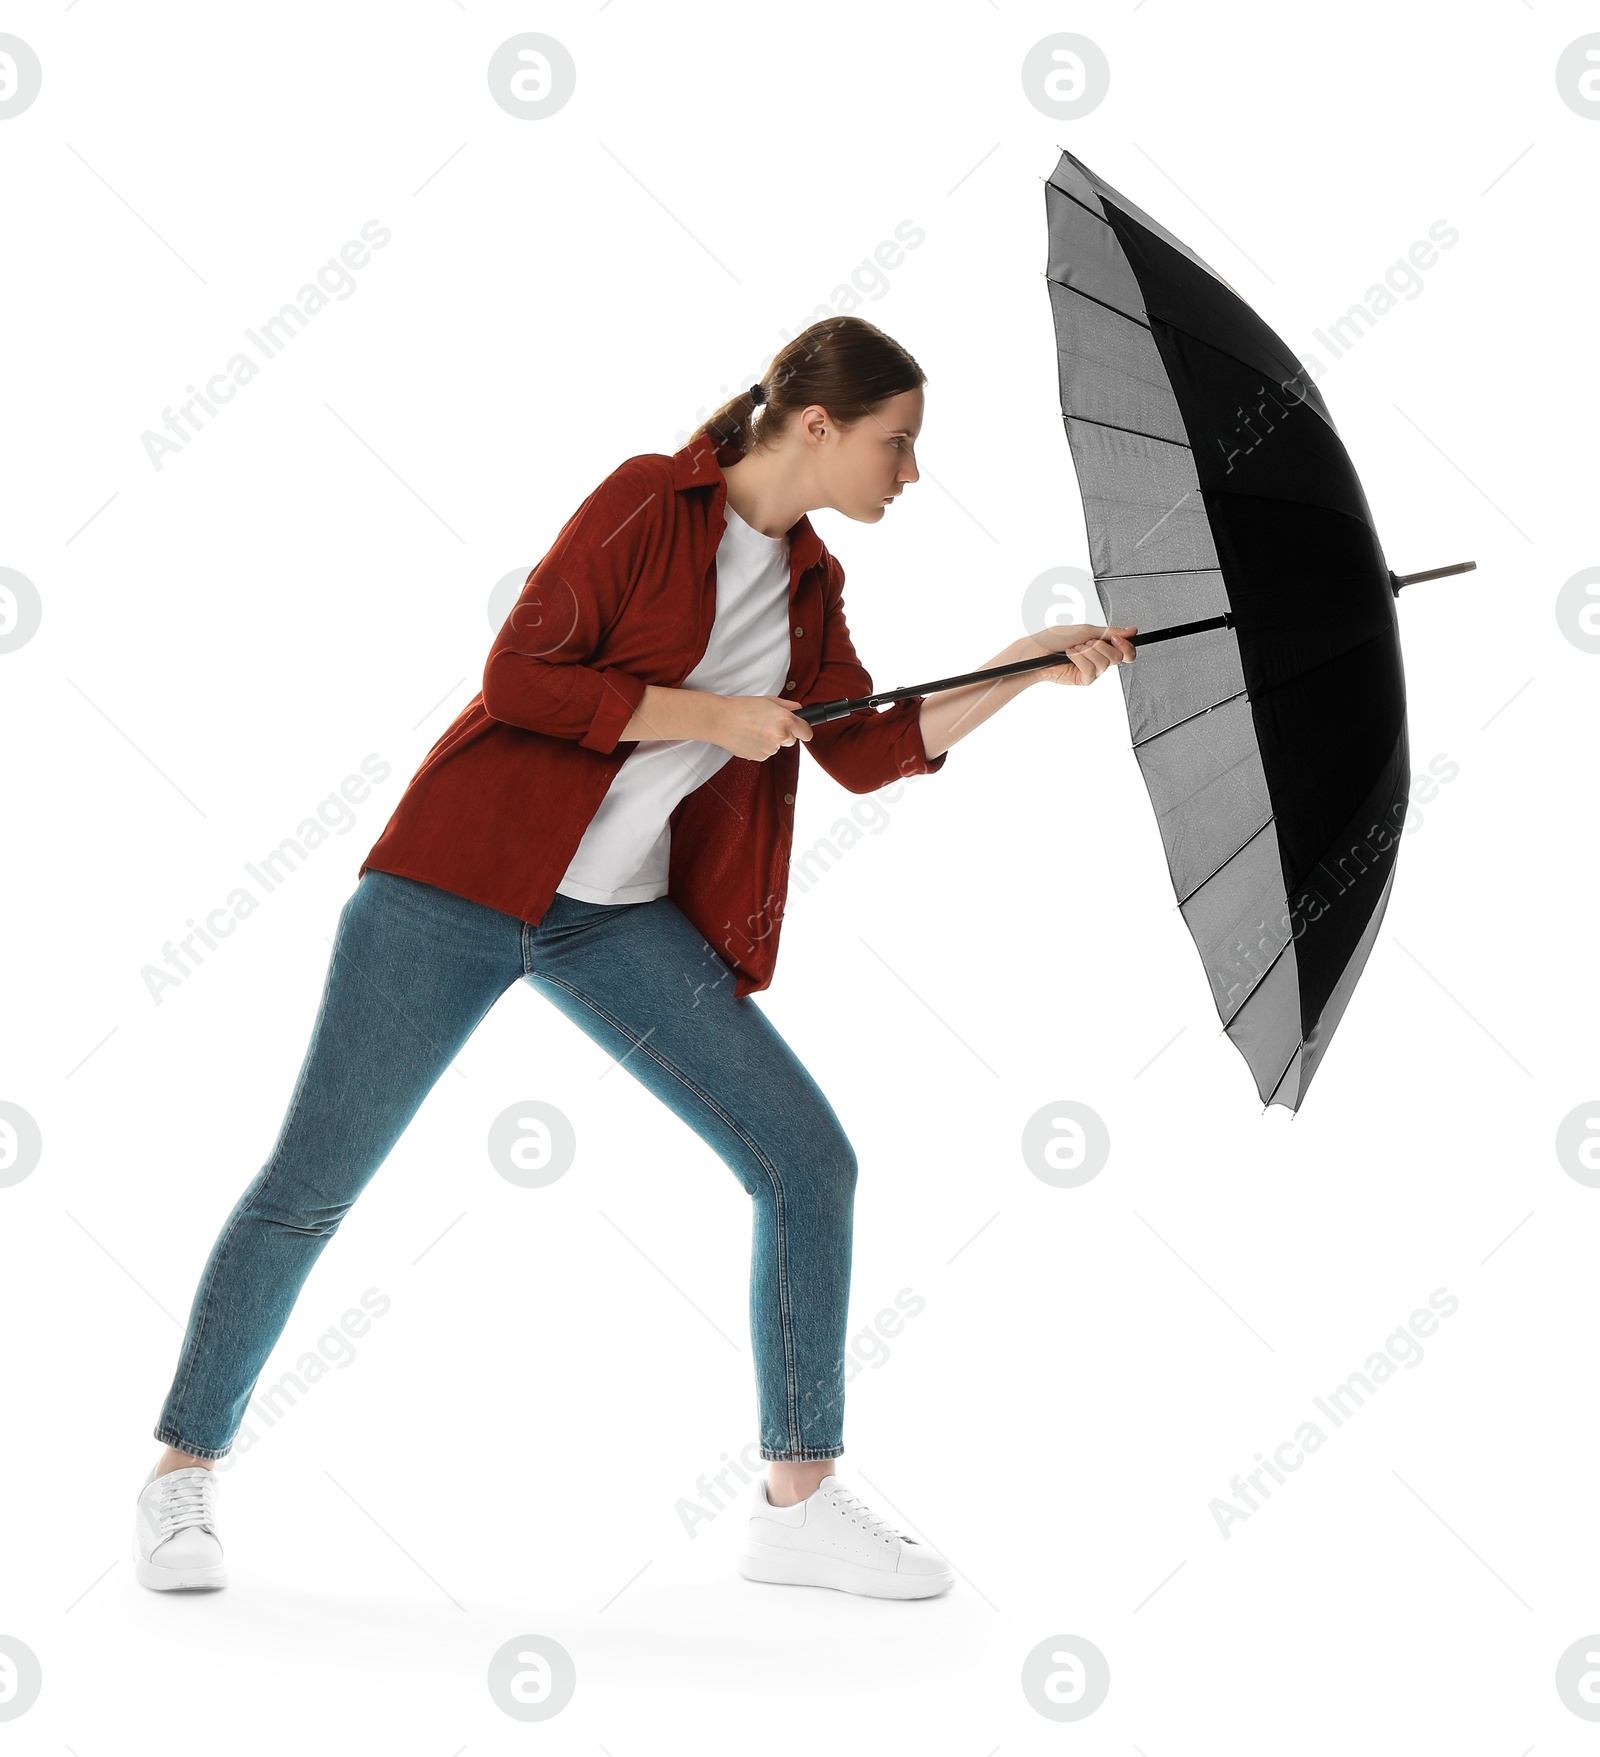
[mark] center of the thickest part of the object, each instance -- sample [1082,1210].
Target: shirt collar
[700,465]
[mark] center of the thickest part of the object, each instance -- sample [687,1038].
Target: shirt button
[791,683]
[788,799]
[799,631]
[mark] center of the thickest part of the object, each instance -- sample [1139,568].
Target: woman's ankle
[791,1480]
[172,1459]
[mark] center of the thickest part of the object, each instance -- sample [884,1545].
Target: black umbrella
[1226,522]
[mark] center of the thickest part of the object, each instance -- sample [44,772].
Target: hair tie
[758,395]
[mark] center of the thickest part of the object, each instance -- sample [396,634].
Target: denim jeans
[414,969]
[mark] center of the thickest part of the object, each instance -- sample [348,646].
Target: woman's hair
[845,364]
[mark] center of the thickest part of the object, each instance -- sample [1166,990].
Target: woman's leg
[641,980]
[413,970]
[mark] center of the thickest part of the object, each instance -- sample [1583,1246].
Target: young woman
[609,819]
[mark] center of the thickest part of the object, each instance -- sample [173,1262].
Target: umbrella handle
[1397,580]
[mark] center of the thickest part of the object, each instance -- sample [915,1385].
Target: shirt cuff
[911,753]
[620,694]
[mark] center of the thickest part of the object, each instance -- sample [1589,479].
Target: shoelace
[186,1500]
[853,1507]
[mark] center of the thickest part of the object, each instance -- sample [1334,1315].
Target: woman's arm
[952,713]
[756,725]
[744,725]
[674,713]
[536,676]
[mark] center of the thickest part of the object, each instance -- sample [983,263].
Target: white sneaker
[175,1538]
[832,1538]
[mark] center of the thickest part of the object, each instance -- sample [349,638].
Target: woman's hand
[756,725]
[1089,649]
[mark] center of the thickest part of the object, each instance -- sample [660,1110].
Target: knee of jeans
[310,1217]
[323,1224]
[834,1168]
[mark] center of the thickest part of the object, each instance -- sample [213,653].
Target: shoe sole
[798,1568]
[161,1579]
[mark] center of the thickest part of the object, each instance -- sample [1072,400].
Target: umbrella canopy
[1272,741]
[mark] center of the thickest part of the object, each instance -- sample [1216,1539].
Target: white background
[224,639]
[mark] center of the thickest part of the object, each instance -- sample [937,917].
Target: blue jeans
[414,968]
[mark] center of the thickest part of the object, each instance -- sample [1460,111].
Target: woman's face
[866,467]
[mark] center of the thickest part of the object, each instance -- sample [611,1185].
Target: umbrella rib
[1188,717]
[1233,1017]
[1083,204]
[1285,1074]
[1115,310]
[1156,573]
[1229,861]
[1137,432]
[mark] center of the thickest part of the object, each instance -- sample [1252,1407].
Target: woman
[610,820]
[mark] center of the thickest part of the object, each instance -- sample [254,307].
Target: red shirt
[626,597]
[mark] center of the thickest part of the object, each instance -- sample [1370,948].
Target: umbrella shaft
[817,712]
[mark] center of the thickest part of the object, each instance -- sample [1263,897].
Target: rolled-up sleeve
[539,673]
[873,746]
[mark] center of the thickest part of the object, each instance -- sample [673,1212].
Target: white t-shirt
[624,854]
